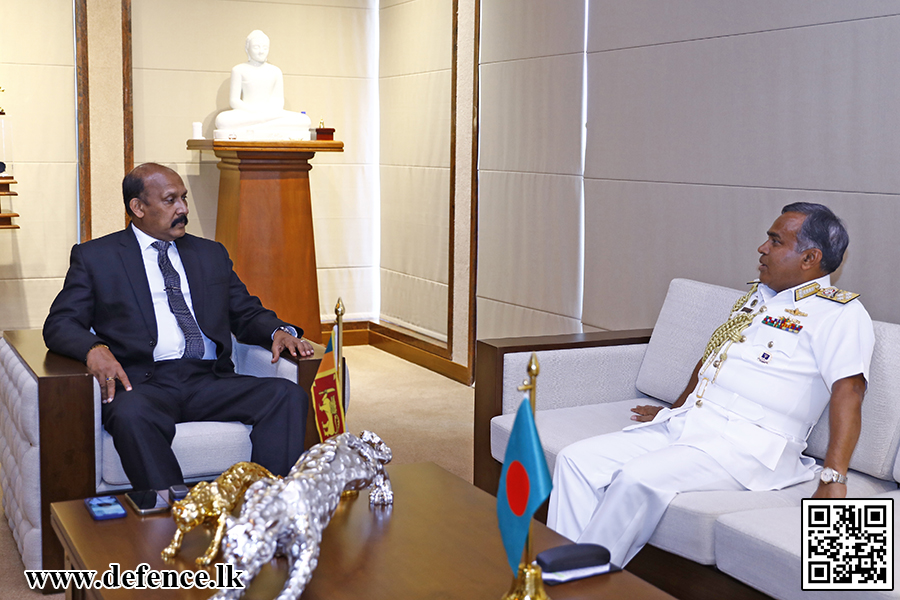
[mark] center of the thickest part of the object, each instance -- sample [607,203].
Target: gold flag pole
[339,369]
[529,583]
[339,346]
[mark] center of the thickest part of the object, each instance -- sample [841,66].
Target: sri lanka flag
[327,401]
[525,483]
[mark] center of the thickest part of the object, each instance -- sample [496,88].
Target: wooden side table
[265,220]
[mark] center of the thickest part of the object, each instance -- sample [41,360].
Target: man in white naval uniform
[791,345]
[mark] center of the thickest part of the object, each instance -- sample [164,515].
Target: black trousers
[142,421]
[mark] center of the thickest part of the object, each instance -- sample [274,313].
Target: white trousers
[613,489]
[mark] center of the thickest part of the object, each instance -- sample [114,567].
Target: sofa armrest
[489,383]
[66,426]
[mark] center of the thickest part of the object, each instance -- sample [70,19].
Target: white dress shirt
[170,338]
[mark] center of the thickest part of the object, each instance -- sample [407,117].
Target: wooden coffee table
[439,540]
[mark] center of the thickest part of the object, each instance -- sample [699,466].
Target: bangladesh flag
[525,483]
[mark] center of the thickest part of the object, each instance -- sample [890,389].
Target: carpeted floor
[422,416]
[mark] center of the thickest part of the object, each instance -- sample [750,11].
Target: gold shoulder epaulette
[836,295]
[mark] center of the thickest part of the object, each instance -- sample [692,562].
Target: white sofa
[588,390]
[53,447]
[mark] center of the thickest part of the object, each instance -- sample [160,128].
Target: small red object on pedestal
[324,133]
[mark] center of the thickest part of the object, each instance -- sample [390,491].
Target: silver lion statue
[286,517]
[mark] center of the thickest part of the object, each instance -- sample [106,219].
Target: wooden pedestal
[265,221]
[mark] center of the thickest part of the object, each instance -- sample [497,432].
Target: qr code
[848,544]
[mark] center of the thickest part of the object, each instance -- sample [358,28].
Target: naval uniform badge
[783,323]
[836,295]
[796,312]
[764,358]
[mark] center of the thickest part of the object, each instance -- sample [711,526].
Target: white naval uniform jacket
[754,417]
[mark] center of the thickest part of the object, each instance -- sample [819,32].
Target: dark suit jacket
[106,289]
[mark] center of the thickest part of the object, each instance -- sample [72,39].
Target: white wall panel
[48,221]
[415,120]
[417,37]
[40,103]
[529,183]
[166,103]
[38,32]
[353,285]
[348,104]
[208,35]
[343,242]
[500,320]
[415,82]
[694,146]
[343,191]
[531,115]
[640,236]
[37,72]
[330,3]
[26,302]
[615,24]
[515,29]
[529,247]
[413,302]
[801,108]
[415,227]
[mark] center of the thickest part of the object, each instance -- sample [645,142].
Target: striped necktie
[193,339]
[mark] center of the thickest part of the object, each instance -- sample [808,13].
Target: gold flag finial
[339,308]
[534,368]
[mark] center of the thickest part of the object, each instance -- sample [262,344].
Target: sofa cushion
[561,427]
[762,549]
[690,313]
[204,450]
[880,436]
[687,526]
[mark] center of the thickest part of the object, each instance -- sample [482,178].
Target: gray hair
[821,229]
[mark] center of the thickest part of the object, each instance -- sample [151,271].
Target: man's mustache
[180,220]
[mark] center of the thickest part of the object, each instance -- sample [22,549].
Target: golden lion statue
[210,503]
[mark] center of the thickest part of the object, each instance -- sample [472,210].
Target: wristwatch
[829,475]
[288,329]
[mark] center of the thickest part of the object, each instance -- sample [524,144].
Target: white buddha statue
[257,100]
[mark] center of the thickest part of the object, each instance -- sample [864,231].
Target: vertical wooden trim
[451,251]
[473,219]
[84,120]
[488,404]
[127,88]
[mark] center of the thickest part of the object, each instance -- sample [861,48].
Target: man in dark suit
[150,310]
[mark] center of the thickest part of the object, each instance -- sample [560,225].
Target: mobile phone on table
[105,507]
[146,502]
